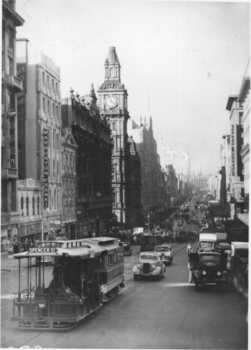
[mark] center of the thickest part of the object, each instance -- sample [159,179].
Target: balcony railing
[14,82]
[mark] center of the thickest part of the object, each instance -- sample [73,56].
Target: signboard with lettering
[46,169]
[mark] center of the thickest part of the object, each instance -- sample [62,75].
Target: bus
[85,274]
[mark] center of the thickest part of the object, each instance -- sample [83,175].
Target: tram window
[110,260]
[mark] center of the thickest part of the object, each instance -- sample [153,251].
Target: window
[57,111]
[57,167]
[38,205]
[53,167]
[33,206]
[48,81]
[57,141]
[52,84]
[43,78]
[52,109]
[27,206]
[50,198]
[22,206]
[54,146]
[55,199]
[57,88]
[10,66]
[43,104]
[48,107]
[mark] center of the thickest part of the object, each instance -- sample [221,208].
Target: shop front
[30,231]
[9,235]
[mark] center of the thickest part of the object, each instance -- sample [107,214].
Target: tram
[148,241]
[85,274]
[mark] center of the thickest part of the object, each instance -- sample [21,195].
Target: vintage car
[208,268]
[165,253]
[150,265]
[127,248]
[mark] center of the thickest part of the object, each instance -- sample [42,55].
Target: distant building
[199,181]
[151,174]
[11,86]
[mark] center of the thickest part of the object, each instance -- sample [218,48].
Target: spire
[112,66]
[92,94]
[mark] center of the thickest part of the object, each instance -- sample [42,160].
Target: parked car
[165,253]
[150,265]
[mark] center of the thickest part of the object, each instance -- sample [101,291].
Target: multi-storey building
[68,158]
[236,141]
[39,136]
[11,85]
[199,181]
[172,185]
[152,186]
[112,97]
[244,100]
[93,164]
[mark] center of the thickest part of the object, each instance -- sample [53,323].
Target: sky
[180,61]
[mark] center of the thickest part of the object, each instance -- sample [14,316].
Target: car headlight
[153,266]
[218,273]
[139,266]
[204,273]
[42,304]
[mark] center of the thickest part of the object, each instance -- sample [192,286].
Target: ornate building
[68,158]
[112,97]
[93,163]
[11,85]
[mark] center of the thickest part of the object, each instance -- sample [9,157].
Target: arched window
[33,205]
[55,199]
[38,205]
[50,199]
[27,205]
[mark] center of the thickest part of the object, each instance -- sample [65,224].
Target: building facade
[112,97]
[244,100]
[93,164]
[39,134]
[236,187]
[11,85]
[69,177]
[152,196]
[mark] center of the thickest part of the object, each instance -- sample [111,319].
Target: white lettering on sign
[233,150]
[43,250]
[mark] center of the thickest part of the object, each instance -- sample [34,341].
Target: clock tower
[112,97]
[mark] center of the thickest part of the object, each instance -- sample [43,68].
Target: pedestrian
[15,247]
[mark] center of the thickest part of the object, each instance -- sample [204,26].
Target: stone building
[112,97]
[69,195]
[39,137]
[93,164]
[11,85]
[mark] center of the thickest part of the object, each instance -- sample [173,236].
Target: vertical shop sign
[46,170]
[12,116]
[233,149]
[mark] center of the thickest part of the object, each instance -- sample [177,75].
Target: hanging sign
[46,170]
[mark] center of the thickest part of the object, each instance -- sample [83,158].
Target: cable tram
[85,274]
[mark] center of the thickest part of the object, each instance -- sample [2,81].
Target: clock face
[111,101]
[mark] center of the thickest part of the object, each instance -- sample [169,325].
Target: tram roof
[82,247]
